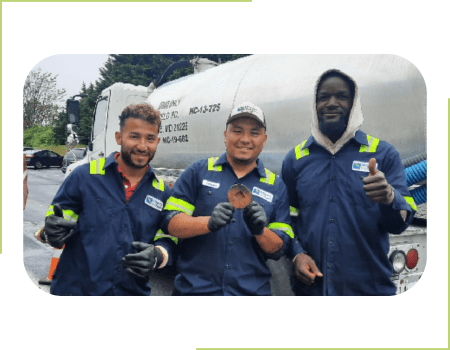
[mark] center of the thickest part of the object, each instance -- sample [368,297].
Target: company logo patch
[210,184]
[246,109]
[361,166]
[154,202]
[262,194]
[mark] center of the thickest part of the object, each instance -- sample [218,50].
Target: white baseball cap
[247,109]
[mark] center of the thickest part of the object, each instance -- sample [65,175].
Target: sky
[73,70]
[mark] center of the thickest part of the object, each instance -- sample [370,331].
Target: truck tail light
[412,258]
[398,260]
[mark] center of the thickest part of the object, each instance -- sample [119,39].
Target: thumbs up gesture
[376,186]
[57,229]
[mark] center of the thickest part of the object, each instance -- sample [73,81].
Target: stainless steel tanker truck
[194,110]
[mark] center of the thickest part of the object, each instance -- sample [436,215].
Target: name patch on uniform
[154,202]
[262,194]
[361,166]
[210,184]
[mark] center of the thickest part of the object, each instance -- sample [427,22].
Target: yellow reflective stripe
[411,202]
[68,214]
[160,234]
[179,205]
[158,184]
[211,166]
[269,179]
[94,170]
[101,166]
[372,147]
[294,211]
[93,167]
[299,152]
[282,227]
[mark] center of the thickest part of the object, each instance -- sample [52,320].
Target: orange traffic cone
[55,259]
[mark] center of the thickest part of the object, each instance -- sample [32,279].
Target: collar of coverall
[360,137]
[259,164]
[355,119]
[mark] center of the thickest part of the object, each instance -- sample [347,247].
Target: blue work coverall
[94,196]
[337,224]
[229,261]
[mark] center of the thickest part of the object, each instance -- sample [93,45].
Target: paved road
[43,185]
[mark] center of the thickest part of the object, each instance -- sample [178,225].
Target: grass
[60,149]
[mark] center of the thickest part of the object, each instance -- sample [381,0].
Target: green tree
[38,136]
[59,128]
[87,107]
[40,99]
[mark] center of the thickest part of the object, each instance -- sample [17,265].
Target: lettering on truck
[205,109]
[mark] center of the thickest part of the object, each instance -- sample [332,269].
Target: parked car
[27,149]
[40,158]
[72,156]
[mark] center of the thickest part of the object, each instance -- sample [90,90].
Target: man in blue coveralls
[108,214]
[224,251]
[347,190]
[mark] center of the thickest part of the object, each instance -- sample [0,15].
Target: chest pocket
[207,198]
[354,189]
[308,190]
[98,211]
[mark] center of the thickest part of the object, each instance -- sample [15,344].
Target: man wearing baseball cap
[224,248]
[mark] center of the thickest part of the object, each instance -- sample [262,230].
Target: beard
[126,156]
[333,131]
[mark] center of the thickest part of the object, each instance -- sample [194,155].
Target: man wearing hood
[347,192]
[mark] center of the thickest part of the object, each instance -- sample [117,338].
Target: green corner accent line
[129,1]
[295,348]
[1,94]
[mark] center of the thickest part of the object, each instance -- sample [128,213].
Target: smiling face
[244,140]
[334,102]
[138,140]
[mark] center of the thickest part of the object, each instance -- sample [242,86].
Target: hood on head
[355,119]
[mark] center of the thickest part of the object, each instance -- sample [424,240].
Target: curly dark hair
[335,73]
[142,111]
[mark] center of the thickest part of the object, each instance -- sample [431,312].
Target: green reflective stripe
[94,170]
[294,211]
[282,227]
[50,211]
[299,152]
[93,167]
[269,179]
[411,202]
[211,166]
[372,147]
[160,234]
[101,166]
[68,214]
[179,205]
[158,184]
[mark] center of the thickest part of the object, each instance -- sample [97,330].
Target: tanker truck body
[194,110]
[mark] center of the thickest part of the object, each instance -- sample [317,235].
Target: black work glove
[255,218]
[57,229]
[221,215]
[144,262]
